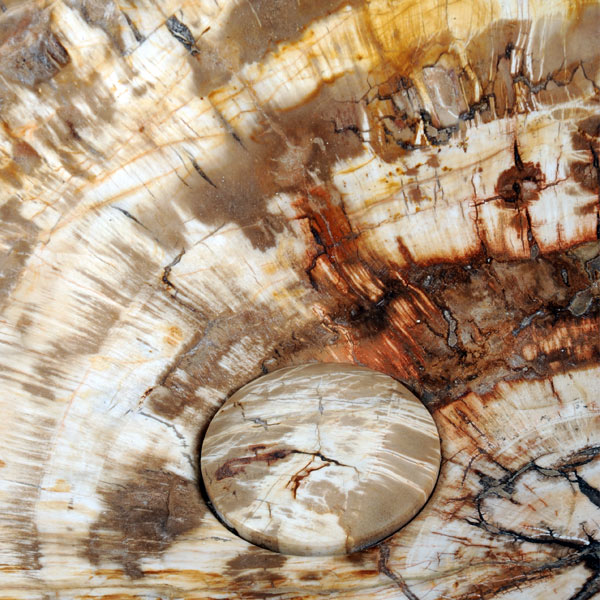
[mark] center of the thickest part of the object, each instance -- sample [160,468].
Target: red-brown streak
[234,466]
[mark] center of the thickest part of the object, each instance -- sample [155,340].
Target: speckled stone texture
[320,459]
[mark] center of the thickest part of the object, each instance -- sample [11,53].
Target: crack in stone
[409,131]
[136,32]
[452,339]
[177,433]
[201,172]
[585,551]
[167,270]
[303,473]
[528,320]
[383,567]
[256,420]
[234,466]
[130,216]
[170,285]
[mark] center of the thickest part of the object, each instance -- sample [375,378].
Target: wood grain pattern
[195,192]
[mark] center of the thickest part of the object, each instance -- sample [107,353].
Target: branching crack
[584,550]
[383,567]
[256,420]
[170,285]
[177,433]
[303,473]
[234,466]
[167,270]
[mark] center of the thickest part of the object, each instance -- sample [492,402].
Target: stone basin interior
[194,194]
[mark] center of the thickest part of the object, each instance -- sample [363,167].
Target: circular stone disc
[320,459]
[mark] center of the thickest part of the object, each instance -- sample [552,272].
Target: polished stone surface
[320,459]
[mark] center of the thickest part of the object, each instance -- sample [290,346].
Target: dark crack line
[256,420]
[534,249]
[234,466]
[324,458]
[383,567]
[202,174]
[507,483]
[585,551]
[477,223]
[127,214]
[171,286]
[499,197]
[327,251]
[130,216]
[443,135]
[353,128]
[536,88]
[589,589]
[228,127]
[588,490]
[322,252]
[136,32]
[550,537]
[167,270]
[177,433]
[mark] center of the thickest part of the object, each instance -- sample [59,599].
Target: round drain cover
[320,459]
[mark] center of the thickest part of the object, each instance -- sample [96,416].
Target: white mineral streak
[112,284]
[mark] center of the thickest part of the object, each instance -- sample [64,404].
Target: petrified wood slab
[196,193]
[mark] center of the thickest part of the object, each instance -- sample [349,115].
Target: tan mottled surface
[194,192]
[320,459]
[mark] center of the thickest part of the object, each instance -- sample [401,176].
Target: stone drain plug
[320,459]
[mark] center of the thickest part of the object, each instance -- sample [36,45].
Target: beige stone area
[320,459]
[194,193]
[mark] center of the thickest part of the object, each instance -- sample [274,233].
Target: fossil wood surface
[196,192]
